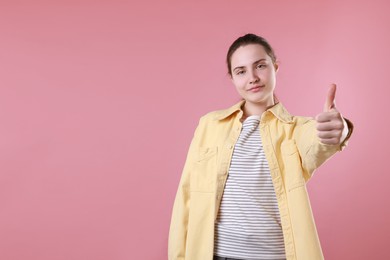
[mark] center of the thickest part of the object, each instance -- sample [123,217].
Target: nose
[253,78]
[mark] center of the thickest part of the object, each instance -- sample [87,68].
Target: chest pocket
[203,177]
[293,165]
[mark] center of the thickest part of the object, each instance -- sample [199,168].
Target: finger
[325,127]
[330,99]
[330,126]
[327,116]
[329,134]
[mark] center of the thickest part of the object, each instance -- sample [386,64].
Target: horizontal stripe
[248,223]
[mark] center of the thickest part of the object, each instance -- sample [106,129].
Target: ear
[231,78]
[276,66]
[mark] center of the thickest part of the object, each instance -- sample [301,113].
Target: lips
[255,88]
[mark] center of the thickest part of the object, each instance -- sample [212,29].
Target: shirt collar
[278,110]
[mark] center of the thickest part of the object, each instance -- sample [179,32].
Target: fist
[331,127]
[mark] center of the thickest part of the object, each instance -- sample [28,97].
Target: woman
[242,194]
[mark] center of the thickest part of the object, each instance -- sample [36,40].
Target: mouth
[255,88]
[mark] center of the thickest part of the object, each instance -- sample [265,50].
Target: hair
[246,40]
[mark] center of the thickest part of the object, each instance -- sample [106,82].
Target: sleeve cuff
[350,130]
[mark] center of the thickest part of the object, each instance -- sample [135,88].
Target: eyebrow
[241,67]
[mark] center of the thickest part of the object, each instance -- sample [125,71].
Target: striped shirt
[248,222]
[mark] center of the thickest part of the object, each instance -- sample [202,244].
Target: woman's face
[253,74]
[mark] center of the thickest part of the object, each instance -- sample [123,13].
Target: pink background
[99,101]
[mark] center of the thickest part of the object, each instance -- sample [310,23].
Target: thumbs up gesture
[331,127]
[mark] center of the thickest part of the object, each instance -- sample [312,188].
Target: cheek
[239,83]
[271,76]
[265,75]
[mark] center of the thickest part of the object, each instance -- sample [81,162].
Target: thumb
[330,102]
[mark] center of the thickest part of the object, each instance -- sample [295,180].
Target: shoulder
[303,120]
[281,114]
[209,118]
[212,115]
[220,114]
[217,121]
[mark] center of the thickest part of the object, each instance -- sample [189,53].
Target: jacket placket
[279,188]
[226,157]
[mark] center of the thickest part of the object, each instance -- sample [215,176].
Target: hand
[331,126]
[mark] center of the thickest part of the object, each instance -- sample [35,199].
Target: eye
[261,66]
[240,72]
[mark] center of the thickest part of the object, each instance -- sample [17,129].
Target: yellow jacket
[293,151]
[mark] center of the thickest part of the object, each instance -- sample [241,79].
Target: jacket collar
[278,110]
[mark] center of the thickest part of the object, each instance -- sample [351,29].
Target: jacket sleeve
[180,212]
[314,153]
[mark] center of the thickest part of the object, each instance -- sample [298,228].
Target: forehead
[248,54]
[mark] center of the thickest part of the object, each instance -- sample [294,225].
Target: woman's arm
[319,139]
[312,150]
[180,212]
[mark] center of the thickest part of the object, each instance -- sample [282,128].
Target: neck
[250,108]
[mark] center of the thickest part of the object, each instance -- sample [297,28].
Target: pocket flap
[206,152]
[289,147]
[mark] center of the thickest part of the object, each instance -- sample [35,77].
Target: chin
[260,100]
[255,99]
